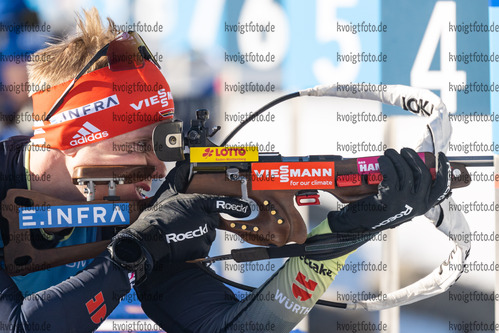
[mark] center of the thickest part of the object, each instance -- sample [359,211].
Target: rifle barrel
[473,161]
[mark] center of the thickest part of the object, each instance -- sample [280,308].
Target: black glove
[407,190]
[175,182]
[176,228]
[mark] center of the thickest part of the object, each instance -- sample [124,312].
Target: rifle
[269,181]
[247,174]
[257,178]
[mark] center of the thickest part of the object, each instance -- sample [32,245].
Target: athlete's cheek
[160,166]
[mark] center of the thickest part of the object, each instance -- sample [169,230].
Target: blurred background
[200,54]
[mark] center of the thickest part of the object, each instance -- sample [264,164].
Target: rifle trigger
[433,173]
[307,198]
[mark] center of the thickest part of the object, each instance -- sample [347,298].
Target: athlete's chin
[134,192]
[132,196]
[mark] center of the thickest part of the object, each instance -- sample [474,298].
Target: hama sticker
[368,165]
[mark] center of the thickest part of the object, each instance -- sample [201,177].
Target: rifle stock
[277,221]
[22,256]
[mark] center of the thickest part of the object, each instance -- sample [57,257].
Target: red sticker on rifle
[292,175]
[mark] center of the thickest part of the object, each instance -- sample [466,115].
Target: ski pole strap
[319,247]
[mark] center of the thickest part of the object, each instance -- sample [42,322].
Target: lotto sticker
[292,176]
[223,154]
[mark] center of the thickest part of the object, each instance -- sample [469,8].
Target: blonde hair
[67,57]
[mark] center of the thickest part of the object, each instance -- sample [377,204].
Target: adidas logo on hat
[87,133]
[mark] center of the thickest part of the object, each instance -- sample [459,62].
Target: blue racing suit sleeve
[78,304]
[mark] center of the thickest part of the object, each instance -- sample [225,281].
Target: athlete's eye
[139,146]
[143,146]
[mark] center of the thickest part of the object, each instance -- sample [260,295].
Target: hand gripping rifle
[268,181]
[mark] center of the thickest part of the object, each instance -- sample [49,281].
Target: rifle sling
[326,245]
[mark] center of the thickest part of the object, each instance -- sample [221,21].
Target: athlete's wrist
[127,252]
